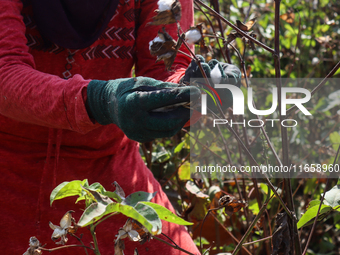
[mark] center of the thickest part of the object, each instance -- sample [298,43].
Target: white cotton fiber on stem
[192,36]
[216,75]
[165,5]
[157,39]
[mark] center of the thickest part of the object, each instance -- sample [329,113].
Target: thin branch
[259,240]
[173,246]
[215,34]
[66,246]
[245,236]
[284,133]
[232,236]
[319,86]
[236,28]
[81,242]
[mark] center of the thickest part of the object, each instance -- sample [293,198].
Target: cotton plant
[34,247]
[144,217]
[166,48]
[135,231]
[168,12]
[60,232]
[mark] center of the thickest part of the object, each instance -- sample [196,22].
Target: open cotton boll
[157,39]
[216,75]
[315,61]
[165,5]
[192,36]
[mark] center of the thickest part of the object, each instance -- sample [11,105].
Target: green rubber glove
[219,73]
[143,108]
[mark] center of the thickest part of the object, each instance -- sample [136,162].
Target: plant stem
[215,35]
[259,240]
[94,237]
[253,161]
[284,133]
[232,236]
[245,236]
[320,85]
[236,28]
[64,247]
[82,243]
[173,246]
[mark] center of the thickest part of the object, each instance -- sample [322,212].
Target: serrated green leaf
[68,189]
[167,215]
[310,214]
[138,196]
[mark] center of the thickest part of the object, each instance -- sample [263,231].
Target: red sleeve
[28,95]
[145,63]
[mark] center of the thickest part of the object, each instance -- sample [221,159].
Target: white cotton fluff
[315,61]
[192,36]
[165,5]
[157,39]
[216,75]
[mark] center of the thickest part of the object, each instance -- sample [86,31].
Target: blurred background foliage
[309,37]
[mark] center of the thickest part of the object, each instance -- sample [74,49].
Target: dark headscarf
[73,24]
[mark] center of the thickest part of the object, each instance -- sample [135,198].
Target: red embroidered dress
[46,136]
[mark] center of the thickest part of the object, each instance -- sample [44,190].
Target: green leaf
[310,214]
[68,189]
[332,197]
[138,196]
[335,139]
[337,72]
[313,203]
[160,156]
[97,197]
[94,186]
[113,195]
[184,171]
[93,213]
[254,206]
[234,3]
[179,147]
[167,215]
[148,216]
[144,214]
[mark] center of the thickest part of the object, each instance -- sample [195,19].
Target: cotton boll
[192,36]
[157,39]
[216,75]
[315,61]
[165,5]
